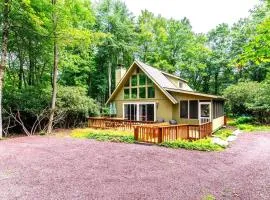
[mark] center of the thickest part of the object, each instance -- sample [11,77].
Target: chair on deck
[172,122]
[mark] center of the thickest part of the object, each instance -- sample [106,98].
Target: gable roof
[154,74]
[159,79]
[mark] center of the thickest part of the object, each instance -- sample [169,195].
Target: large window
[139,86]
[183,109]
[139,111]
[189,109]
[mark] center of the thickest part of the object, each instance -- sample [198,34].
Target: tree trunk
[110,78]
[55,70]
[21,72]
[3,56]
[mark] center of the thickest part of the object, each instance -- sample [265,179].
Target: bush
[244,120]
[223,133]
[238,95]
[201,145]
[246,98]
[73,105]
[76,106]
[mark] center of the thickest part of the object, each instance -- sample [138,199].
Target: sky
[204,15]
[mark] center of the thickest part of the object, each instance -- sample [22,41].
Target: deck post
[136,130]
[159,135]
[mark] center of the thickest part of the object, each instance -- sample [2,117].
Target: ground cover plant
[223,133]
[201,145]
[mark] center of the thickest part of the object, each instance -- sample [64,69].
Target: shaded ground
[64,168]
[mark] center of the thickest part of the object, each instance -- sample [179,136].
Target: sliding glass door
[139,111]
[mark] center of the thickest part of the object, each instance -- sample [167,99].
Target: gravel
[64,168]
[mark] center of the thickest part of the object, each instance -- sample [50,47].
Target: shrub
[249,98]
[244,120]
[73,105]
[238,95]
[201,145]
[223,133]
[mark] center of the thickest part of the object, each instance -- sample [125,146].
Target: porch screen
[218,109]
[183,109]
[193,109]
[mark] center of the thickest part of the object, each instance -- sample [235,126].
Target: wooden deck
[152,132]
[115,123]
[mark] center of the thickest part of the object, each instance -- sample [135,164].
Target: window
[134,80]
[149,82]
[142,79]
[193,109]
[151,92]
[126,93]
[134,93]
[180,84]
[138,111]
[130,111]
[142,92]
[183,109]
[218,109]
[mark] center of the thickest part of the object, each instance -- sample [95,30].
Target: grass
[223,133]
[200,145]
[104,135]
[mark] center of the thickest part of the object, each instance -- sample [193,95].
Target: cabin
[146,94]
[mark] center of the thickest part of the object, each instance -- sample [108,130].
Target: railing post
[159,135]
[136,133]
[188,132]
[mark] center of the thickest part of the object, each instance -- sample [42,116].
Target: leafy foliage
[94,39]
[249,98]
[223,133]
[201,145]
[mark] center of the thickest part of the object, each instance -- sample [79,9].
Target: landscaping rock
[237,132]
[231,138]
[220,142]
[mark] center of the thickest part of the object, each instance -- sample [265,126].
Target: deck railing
[159,134]
[153,132]
[116,123]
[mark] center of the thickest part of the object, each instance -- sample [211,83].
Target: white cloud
[203,14]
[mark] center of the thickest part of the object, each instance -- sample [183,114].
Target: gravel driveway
[65,168]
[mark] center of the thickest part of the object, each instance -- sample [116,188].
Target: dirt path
[65,168]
